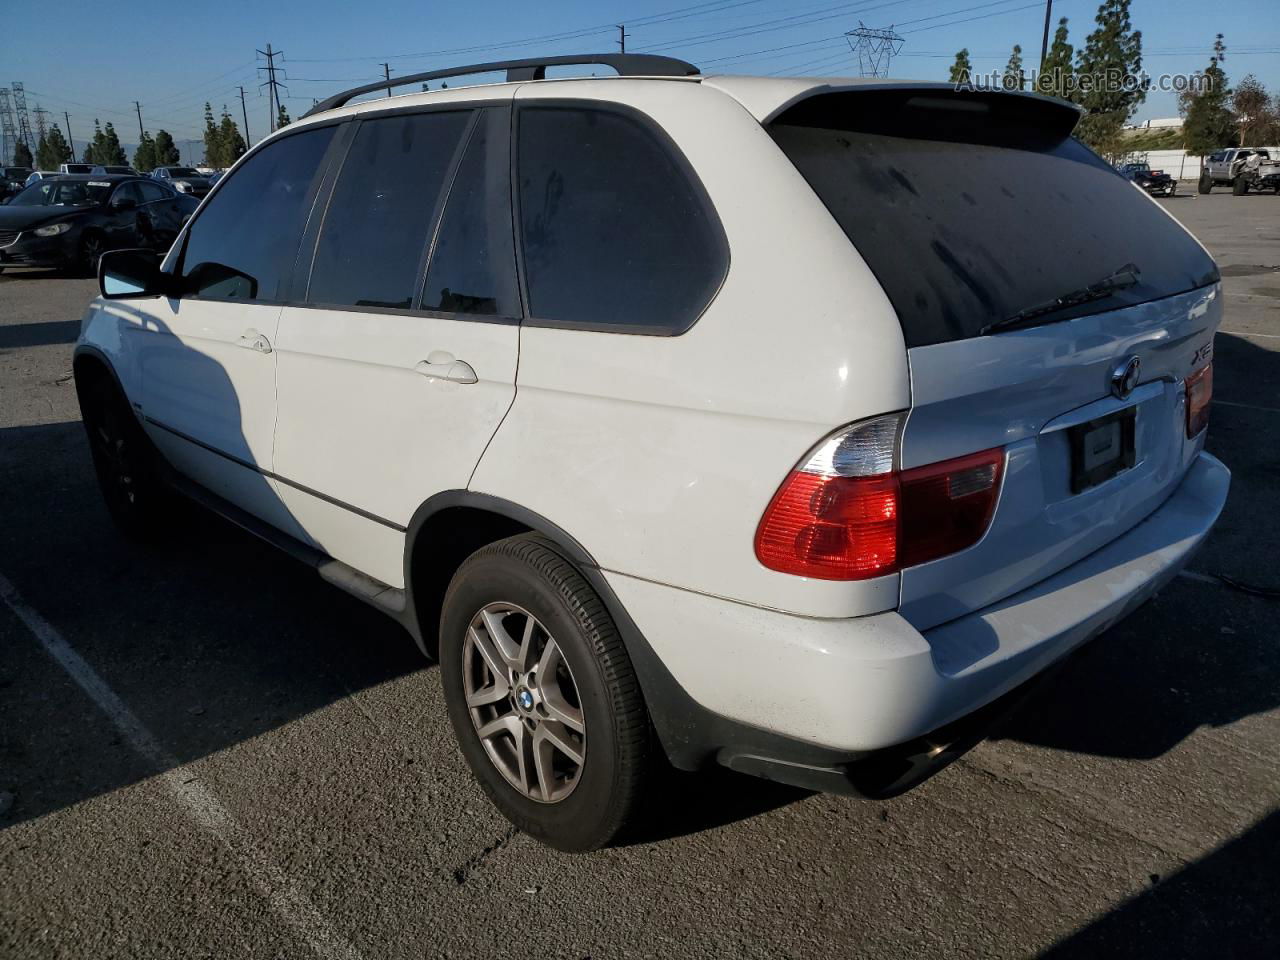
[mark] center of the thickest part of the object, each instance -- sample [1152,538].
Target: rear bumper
[845,688]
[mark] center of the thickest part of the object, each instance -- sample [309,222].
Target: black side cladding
[971,206]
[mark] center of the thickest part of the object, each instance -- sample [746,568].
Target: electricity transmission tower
[8,132]
[41,127]
[20,107]
[875,49]
[272,84]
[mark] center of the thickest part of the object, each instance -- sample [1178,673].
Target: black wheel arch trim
[691,735]
[90,350]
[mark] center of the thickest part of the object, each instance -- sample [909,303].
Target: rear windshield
[971,208]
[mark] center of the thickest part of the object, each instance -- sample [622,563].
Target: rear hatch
[976,208]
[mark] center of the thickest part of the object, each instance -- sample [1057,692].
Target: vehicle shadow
[1200,653]
[15,336]
[1221,905]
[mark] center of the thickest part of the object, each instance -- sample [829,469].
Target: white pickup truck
[1242,169]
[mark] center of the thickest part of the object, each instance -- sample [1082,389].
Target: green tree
[1109,71]
[212,142]
[962,69]
[1054,78]
[1254,112]
[96,148]
[144,158]
[230,143]
[1209,123]
[22,155]
[166,150]
[282,118]
[53,150]
[1014,78]
[112,152]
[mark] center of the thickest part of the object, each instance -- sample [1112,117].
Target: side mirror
[129,274]
[125,203]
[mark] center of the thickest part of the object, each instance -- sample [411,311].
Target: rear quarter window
[616,232]
[972,208]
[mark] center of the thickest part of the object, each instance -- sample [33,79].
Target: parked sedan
[183,179]
[68,221]
[1155,182]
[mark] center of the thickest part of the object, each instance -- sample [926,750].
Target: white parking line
[1241,333]
[197,801]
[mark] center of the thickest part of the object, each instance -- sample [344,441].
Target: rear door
[974,209]
[399,366]
[207,361]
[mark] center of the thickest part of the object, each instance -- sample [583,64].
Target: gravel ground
[291,787]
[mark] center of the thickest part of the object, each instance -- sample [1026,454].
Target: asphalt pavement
[205,751]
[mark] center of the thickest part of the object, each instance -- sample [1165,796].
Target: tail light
[847,513]
[1199,393]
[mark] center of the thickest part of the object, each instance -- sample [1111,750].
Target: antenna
[875,48]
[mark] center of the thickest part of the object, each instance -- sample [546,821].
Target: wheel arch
[91,363]
[450,526]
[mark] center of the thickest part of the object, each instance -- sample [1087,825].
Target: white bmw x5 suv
[789,424]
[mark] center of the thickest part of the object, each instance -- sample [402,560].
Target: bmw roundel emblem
[1124,378]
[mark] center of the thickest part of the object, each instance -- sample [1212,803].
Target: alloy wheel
[523,702]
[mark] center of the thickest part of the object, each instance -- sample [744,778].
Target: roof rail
[627,65]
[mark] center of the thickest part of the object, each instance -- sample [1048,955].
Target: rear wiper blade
[1126,276]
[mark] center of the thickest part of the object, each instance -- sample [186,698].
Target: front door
[207,359]
[390,386]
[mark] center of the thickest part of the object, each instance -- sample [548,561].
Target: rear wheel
[1239,187]
[542,694]
[124,461]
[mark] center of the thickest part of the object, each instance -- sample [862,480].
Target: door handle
[252,340]
[442,365]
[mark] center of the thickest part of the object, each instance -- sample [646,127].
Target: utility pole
[386,72]
[137,106]
[622,36]
[70,142]
[1044,42]
[244,112]
[272,84]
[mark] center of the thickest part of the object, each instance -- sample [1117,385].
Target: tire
[1173,191]
[124,461]
[1239,187]
[587,681]
[1205,185]
[89,251]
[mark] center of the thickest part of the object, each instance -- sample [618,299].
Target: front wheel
[542,695]
[89,252]
[124,461]
[1205,185]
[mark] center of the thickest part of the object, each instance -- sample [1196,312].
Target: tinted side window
[376,229]
[614,233]
[151,191]
[473,268]
[127,191]
[244,242]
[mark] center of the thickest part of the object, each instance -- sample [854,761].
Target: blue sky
[93,60]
